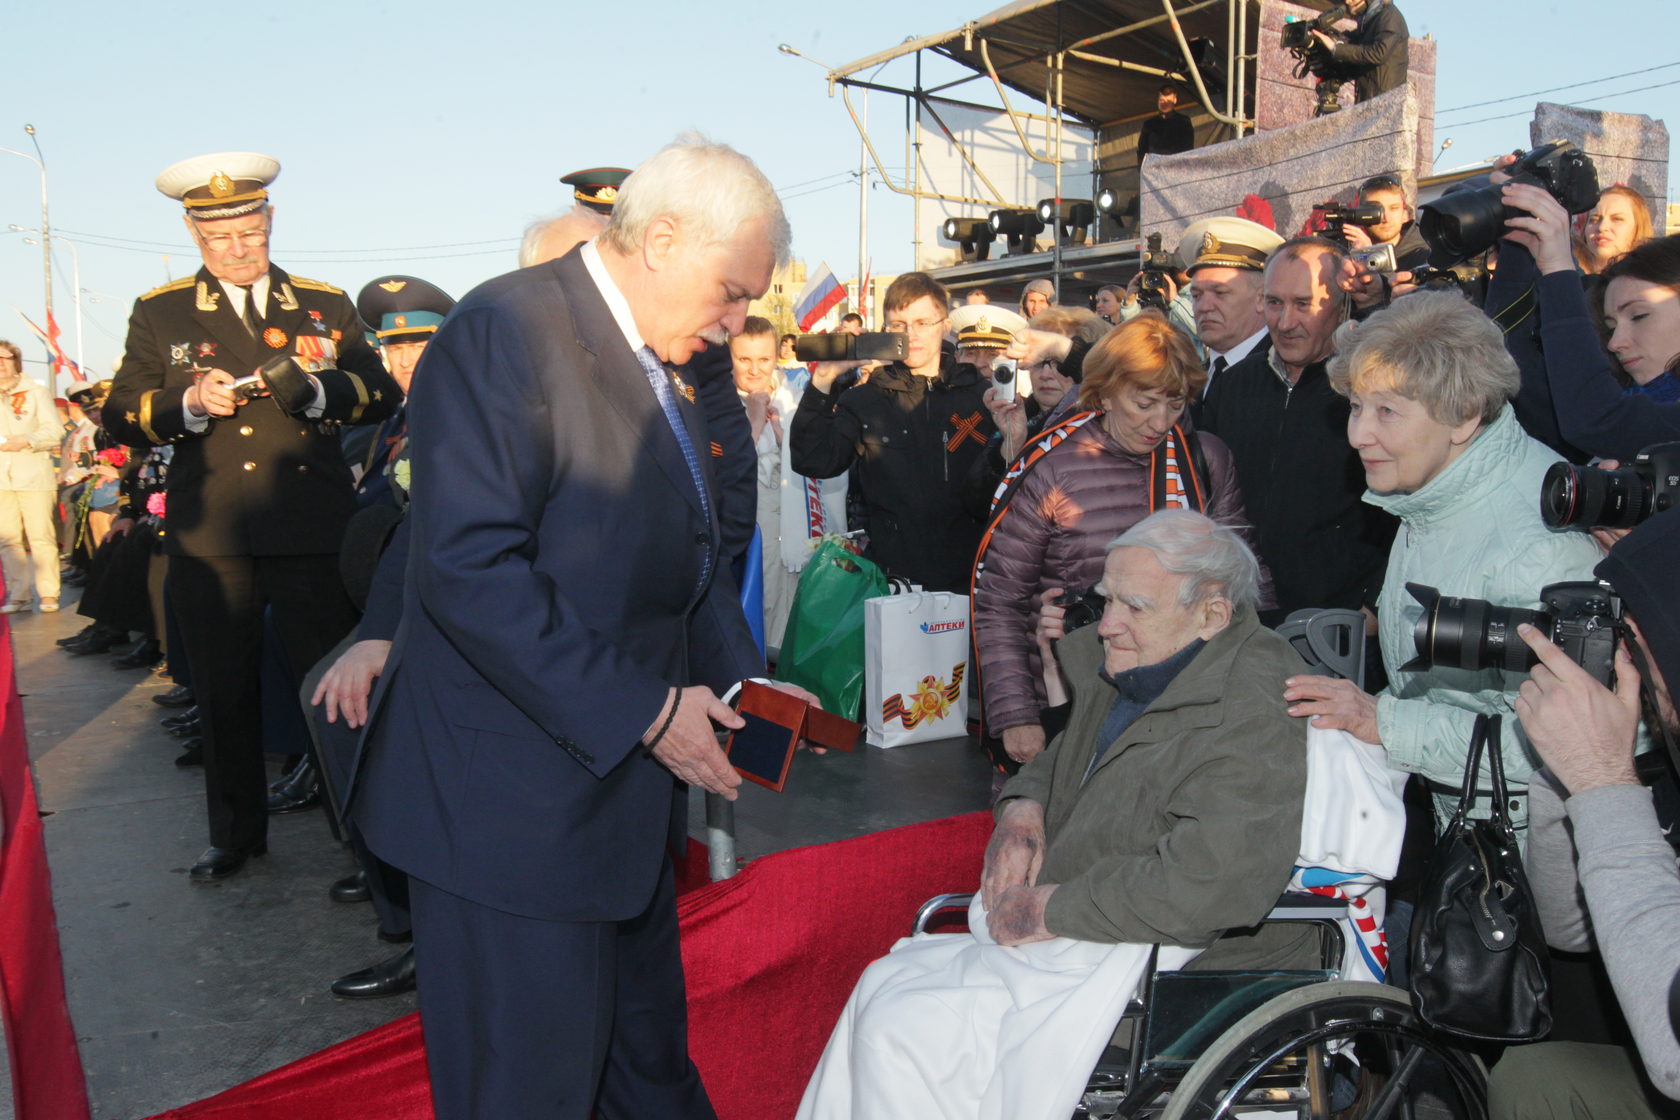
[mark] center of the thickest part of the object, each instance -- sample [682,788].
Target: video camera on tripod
[1154,281]
[1311,56]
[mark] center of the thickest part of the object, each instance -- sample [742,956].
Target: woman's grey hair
[1435,348]
[707,189]
[1075,322]
[1214,561]
[548,238]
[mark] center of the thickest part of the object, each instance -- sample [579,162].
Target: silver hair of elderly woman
[1213,559]
[1435,348]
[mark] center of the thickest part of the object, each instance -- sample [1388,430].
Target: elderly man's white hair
[1211,557]
[548,238]
[707,189]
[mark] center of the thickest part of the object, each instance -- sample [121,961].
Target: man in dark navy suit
[569,621]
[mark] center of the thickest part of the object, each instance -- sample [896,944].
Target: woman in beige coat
[29,432]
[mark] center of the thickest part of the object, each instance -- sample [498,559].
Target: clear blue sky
[403,127]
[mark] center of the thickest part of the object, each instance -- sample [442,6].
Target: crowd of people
[288,493]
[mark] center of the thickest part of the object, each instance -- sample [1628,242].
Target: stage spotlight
[974,235]
[1117,210]
[1020,227]
[1073,217]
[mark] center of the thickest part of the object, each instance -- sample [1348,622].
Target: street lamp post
[46,228]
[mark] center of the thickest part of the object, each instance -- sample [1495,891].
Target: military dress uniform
[258,501]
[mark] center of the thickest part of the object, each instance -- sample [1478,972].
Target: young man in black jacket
[914,429]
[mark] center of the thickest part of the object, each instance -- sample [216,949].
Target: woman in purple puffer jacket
[1125,454]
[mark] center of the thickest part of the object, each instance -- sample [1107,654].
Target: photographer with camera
[1429,382]
[914,430]
[1600,861]
[1570,397]
[1158,286]
[1373,55]
[1395,226]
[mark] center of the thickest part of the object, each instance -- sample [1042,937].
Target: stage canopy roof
[1019,39]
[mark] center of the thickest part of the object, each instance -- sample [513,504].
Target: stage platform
[178,992]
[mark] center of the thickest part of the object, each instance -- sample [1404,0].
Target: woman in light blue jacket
[1430,384]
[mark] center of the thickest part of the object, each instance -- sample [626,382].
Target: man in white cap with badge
[1226,258]
[249,373]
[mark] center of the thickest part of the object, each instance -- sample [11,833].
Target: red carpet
[46,1067]
[770,956]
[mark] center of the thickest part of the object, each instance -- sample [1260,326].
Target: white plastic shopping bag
[915,667]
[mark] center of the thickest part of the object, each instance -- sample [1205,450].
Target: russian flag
[61,360]
[819,296]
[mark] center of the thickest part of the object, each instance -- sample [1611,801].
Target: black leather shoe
[75,577]
[142,655]
[93,643]
[387,978]
[297,791]
[193,755]
[90,630]
[179,719]
[178,697]
[192,729]
[217,864]
[351,888]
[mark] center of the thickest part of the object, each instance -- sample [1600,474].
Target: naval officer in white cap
[259,492]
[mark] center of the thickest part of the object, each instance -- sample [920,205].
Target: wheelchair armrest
[1301,906]
[939,904]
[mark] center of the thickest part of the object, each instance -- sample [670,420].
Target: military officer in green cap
[403,312]
[259,492]
[597,188]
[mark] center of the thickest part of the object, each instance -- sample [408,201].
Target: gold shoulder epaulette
[173,286]
[315,285]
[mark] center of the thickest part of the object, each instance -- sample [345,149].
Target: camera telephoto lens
[1471,634]
[1458,226]
[1584,497]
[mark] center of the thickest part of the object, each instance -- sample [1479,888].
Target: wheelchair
[1301,1043]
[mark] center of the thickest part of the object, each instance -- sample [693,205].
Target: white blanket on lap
[956,1026]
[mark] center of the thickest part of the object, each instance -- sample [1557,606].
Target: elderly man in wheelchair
[1159,829]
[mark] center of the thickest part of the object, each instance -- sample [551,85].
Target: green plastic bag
[822,649]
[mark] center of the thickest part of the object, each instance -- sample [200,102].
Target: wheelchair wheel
[1344,1049]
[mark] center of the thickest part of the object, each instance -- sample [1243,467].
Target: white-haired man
[1168,812]
[557,683]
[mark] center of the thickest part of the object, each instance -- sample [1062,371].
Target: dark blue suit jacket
[550,601]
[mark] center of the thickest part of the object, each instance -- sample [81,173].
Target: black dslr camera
[1590,497]
[1339,215]
[1154,288]
[1464,223]
[1468,278]
[1081,609]
[1582,618]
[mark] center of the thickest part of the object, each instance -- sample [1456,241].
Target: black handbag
[1479,966]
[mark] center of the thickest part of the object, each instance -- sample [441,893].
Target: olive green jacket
[1191,822]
